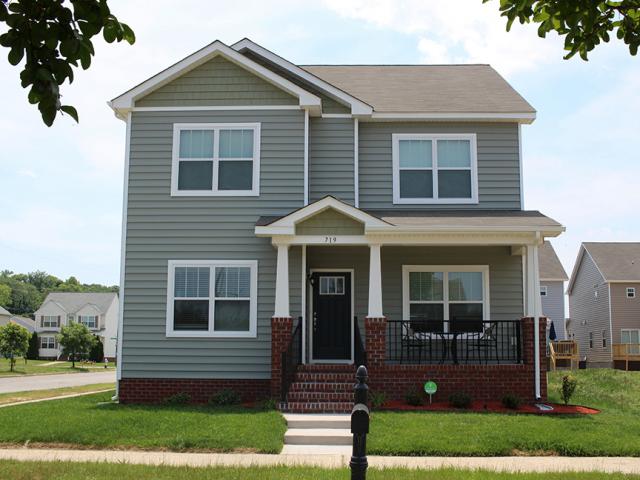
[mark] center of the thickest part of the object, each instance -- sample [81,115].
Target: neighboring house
[267,205]
[552,278]
[6,317]
[98,311]
[604,300]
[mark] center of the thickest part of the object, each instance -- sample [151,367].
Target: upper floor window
[431,168]
[631,292]
[50,321]
[90,321]
[212,298]
[216,159]
[543,290]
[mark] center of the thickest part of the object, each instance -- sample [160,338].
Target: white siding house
[98,311]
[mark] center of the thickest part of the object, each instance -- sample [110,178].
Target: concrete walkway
[508,464]
[59,397]
[46,382]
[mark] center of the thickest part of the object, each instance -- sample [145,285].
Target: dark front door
[331,316]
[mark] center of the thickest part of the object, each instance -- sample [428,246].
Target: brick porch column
[528,350]
[375,341]
[281,330]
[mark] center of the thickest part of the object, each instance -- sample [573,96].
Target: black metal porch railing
[454,341]
[359,352]
[291,358]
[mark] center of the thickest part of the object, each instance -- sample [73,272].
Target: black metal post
[360,426]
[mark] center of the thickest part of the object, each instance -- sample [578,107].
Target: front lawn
[98,471]
[14,397]
[614,432]
[94,421]
[43,367]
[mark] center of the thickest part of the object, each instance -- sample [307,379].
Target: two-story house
[552,278]
[604,304]
[283,223]
[98,311]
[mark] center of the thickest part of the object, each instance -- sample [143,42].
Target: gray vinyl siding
[553,305]
[498,163]
[505,274]
[625,311]
[161,227]
[590,313]
[330,222]
[217,82]
[331,169]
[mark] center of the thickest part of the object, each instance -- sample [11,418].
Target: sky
[61,199]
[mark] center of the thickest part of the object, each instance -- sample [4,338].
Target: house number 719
[330,239]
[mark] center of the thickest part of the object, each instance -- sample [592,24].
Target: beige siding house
[604,304]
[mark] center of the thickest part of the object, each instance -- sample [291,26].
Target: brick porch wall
[155,390]
[281,330]
[482,382]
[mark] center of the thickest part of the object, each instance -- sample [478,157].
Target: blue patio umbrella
[552,332]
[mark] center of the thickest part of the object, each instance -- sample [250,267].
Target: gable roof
[71,302]
[4,311]
[427,92]
[25,322]
[428,89]
[126,101]
[549,264]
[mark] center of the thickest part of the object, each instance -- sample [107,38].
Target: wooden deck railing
[626,352]
[564,350]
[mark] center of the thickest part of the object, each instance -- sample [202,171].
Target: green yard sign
[430,388]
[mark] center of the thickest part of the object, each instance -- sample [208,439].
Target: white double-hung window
[90,321]
[211,298]
[430,168]
[216,159]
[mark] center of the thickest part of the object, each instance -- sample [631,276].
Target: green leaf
[109,33]
[48,114]
[71,111]
[128,34]
[15,55]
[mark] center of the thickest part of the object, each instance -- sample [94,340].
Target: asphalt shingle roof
[618,261]
[550,266]
[73,301]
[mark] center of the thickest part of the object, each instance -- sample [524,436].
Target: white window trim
[214,192]
[543,290]
[446,269]
[49,317]
[395,153]
[630,290]
[210,333]
[96,320]
[48,347]
[629,330]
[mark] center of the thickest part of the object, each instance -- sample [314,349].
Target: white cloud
[465,31]
[25,172]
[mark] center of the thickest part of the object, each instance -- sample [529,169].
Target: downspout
[306,157]
[123,250]
[356,167]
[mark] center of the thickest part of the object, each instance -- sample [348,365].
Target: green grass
[98,471]
[40,367]
[54,392]
[614,432]
[95,422]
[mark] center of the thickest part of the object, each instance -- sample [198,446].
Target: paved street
[45,382]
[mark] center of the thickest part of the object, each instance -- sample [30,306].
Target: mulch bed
[491,407]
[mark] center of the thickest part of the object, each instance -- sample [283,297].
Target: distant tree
[42,280]
[5,295]
[97,351]
[583,23]
[76,341]
[25,298]
[14,342]
[33,352]
[53,37]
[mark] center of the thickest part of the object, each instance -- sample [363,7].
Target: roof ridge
[395,65]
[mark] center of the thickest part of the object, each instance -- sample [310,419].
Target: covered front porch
[409,295]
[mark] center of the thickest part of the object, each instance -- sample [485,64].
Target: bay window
[212,298]
[430,168]
[216,159]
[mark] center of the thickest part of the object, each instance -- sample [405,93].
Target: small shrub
[569,384]
[377,399]
[512,401]
[460,400]
[181,398]
[414,397]
[268,404]
[226,396]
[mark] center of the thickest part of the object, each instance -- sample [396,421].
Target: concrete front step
[317,450]
[318,436]
[316,407]
[320,420]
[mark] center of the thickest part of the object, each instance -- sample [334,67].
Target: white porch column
[282,282]
[534,306]
[375,282]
